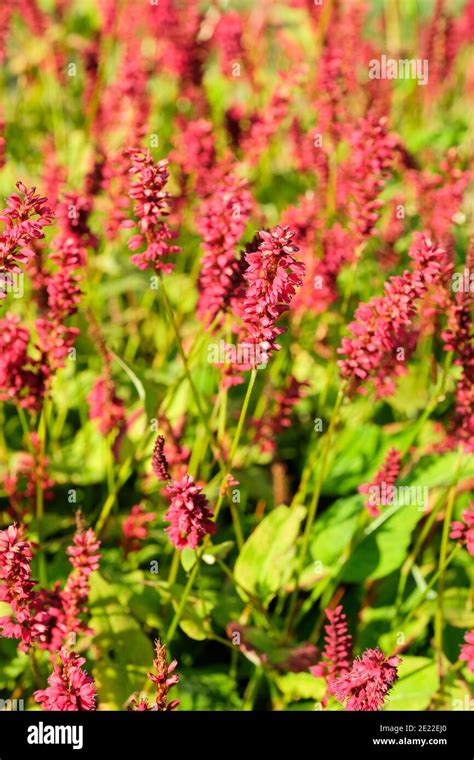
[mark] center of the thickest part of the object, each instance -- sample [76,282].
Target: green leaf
[334,529]
[265,562]
[124,653]
[458,608]
[377,628]
[220,550]
[434,471]
[192,621]
[418,682]
[383,550]
[188,558]
[295,686]
[84,460]
[206,689]
[357,449]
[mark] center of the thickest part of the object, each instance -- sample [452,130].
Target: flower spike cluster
[16,589]
[84,557]
[25,216]
[385,324]
[189,511]
[70,688]
[151,205]
[337,649]
[135,528]
[272,276]
[371,159]
[385,477]
[365,686]
[221,222]
[42,616]
[159,463]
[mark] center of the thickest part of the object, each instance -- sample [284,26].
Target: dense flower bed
[236,355]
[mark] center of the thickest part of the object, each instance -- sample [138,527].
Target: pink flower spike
[382,483]
[467,650]
[188,513]
[151,206]
[464,531]
[164,678]
[70,688]
[368,682]
[135,528]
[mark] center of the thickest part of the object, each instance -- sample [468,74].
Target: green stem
[411,559]
[40,498]
[322,473]
[123,475]
[174,567]
[194,571]
[184,598]
[439,616]
[26,428]
[421,596]
[204,418]
[314,504]
[392,26]
[252,690]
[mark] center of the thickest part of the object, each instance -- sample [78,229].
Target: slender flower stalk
[164,678]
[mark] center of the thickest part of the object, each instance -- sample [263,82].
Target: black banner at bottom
[229,734]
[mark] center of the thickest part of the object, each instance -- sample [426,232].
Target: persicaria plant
[236,356]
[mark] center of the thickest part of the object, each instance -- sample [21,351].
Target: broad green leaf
[206,689]
[376,629]
[458,609]
[192,621]
[439,470]
[357,450]
[265,562]
[124,653]
[418,682]
[295,686]
[84,460]
[334,529]
[383,550]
